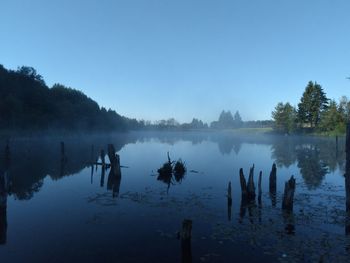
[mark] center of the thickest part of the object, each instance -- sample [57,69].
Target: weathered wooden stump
[243,184]
[251,186]
[273,179]
[114,160]
[259,188]
[114,177]
[3,225]
[288,196]
[229,201]
[289,222]
[103,161]
[185,236]
[102,181]
[347,167]
[92,154]
[4,189]
[347,179]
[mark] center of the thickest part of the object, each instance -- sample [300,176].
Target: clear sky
[156,59]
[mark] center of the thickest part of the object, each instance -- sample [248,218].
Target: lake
[67,210]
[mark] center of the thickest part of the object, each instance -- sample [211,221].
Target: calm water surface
[69,211]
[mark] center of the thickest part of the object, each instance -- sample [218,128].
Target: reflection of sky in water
[72,218]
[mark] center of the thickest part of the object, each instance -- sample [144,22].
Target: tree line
[314,113]
[27,103]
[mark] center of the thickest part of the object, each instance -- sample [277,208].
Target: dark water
[69,211]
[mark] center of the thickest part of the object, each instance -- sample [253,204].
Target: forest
[27,103]
[315,113]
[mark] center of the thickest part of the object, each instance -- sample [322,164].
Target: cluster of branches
[315,112]
[27,103]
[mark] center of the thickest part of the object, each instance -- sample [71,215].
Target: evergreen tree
[333,119]
[312,104]
[237,120]
[285,117]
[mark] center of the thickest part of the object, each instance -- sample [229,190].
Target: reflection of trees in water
[283,152]
[315,157]
[312,168]
[34,159]
[227,143]
[226,146]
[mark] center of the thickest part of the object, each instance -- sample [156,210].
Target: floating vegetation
[180,167]
[170,170]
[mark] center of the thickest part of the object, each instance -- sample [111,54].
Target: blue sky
[159,59]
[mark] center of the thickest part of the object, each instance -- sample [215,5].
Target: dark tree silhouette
[27,103]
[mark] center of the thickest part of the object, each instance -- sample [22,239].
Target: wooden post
[347,179]
[103,159]
[272,179]
[3,225]
[259,188]
[229,201]
[102,181]
[288,196]
[347,167]
[114,159]
[4,188]
[243,184]
[186,235]
[289,222]
[251,186]
[92,155]
[114,177]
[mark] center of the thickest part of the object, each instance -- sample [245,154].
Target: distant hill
[27,103]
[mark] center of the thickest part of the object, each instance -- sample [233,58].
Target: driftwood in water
[114,177]
[4,189]
[273,184]
[106,165]
[272,179]
[114,160]
[92,154]
[259,188]
[289,222]
[113,183]
[229,201]
[243,184]
[185,236]
[251,186]
[3,225]
[347,179]
[347,168]
[288,196]
[103,161]
[248,192]
[102,181]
